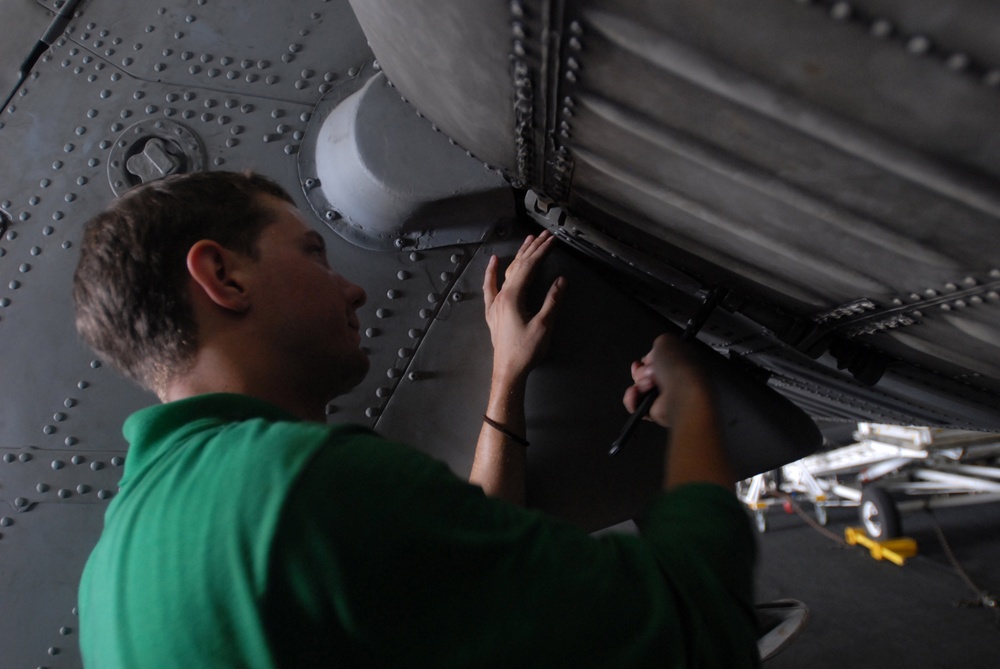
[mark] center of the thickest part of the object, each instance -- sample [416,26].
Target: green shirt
[242,537]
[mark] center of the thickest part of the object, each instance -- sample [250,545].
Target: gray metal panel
[435,32]
[574,402]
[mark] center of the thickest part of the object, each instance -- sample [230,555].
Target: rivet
[969,281]
[77,459]
[83,385]
[49,429]
[65,631]
[117,461]
[415,333]
[14,285]
[402,275]
[951,286]
[992,78]
[8,458]
[394,373]
[392,294]
[447,276]
[414,256]
[24,268]
[71,441]
[957,62]
[372,332]
[58,464]
[20,503]
[103,494]
[83,488]
[42,487]
[64,493]
[372,412]
[457,297]
[433,298]
[918,45]
[287,58]
[6,522]
[4,302]
[425,313]
[456,258]
[59,417]
[382,313]
[95,364]
[271,79]
[96,466]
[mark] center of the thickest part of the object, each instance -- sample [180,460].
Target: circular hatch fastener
[151,150]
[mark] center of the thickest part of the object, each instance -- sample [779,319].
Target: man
[248,533]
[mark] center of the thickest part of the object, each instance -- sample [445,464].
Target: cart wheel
[879,514]
[821,515]
[760,520]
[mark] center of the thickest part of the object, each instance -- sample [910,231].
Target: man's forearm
[500,463]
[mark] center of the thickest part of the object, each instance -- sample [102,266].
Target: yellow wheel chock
[893,550]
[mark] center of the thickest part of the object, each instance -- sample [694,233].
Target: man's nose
[356,294]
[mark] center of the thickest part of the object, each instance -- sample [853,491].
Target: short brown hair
[130,286]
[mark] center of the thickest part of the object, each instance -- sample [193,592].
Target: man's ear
[216,270]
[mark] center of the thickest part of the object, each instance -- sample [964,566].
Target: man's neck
[213,372]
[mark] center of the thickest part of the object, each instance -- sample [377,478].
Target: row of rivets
[918,45]
[524,107]
[235,68]
[405,353]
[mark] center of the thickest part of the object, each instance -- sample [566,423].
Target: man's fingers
[490,283]
[547,311]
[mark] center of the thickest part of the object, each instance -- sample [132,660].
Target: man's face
[305,309]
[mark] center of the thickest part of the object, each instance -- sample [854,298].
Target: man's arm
[519,342]
[687,406]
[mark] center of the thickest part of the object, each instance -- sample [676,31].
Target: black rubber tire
[879,514]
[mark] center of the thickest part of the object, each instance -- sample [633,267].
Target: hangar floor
[867,613]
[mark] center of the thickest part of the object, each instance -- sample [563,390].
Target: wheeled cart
[889,470]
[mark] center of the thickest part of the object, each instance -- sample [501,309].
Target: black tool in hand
[646,403]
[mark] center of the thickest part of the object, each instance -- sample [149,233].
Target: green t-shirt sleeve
[384,558]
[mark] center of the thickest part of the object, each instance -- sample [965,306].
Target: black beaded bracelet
[497,426]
